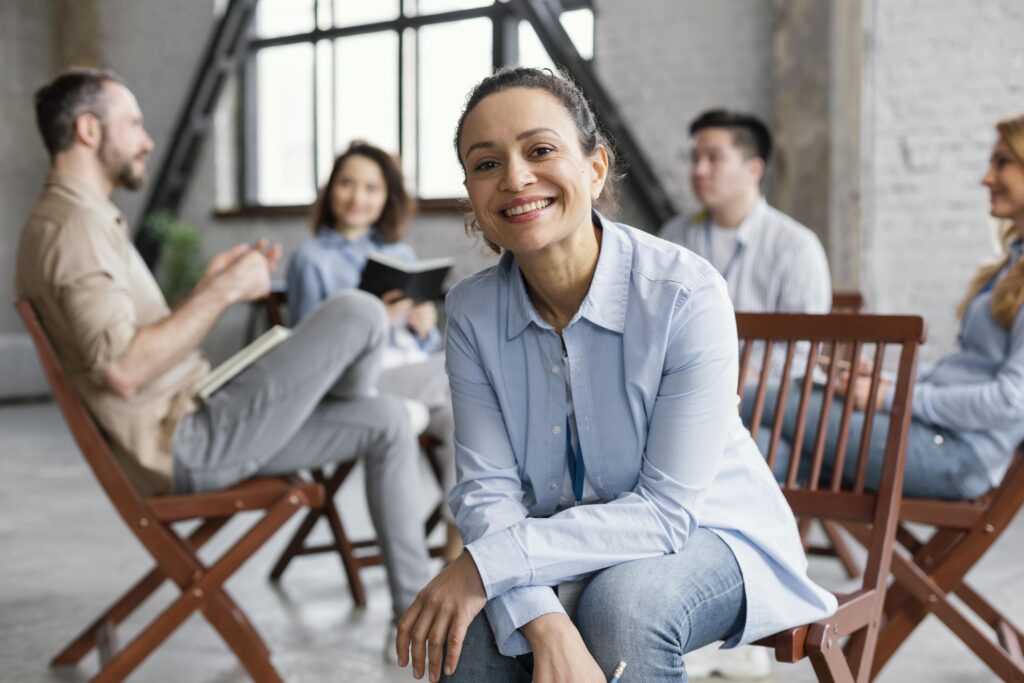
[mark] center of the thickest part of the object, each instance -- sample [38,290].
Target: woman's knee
[354,309]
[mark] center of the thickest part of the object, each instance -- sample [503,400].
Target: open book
[419,281]
[226,371]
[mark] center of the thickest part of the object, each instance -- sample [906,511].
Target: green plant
[181,256]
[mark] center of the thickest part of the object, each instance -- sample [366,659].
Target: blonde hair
[1008,293]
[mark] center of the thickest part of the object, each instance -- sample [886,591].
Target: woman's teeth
[526,208]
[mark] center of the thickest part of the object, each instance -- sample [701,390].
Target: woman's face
[358,194]
[1005,183]
[530,184]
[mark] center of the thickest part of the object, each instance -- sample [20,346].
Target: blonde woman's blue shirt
[653,358]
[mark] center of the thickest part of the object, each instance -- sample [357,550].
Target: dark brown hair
[749,133]
[398,207]
[70,94]
[563,89]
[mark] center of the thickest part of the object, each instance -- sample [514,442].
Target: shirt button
[939,440]
[553,486]
[555,369]
[556,430]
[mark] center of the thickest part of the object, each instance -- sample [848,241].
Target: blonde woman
[968,408]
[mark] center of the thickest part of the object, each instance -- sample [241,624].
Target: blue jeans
[939,464]
[647,613]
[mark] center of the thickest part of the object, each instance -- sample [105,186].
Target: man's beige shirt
[93,293]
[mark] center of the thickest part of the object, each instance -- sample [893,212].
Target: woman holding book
[364,208]
[613,505]
[968,407]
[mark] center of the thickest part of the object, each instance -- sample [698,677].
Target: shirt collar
[751,225]
[605,302]
[1016,250]
[87,195]
[333,236]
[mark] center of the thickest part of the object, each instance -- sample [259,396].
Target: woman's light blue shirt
[977,390]
[653,354]
[330,263]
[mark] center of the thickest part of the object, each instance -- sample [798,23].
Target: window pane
[453,57]
[366,95]
[418,7]
[285,124]
[355,12]
[284,17]
[409,118]
[579,24]
[324,109]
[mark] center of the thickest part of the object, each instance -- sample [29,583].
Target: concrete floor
[64,556]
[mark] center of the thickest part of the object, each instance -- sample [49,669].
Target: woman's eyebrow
[521,136]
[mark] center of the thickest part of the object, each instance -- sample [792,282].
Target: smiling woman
[608,493]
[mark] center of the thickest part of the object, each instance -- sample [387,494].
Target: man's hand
[422,319]
[242,273]
[862,389]
[439,616]
[559,653]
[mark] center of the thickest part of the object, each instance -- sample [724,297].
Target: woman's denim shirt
[330,263]
[977,391]
[653,358]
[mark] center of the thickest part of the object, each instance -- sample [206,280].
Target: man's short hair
[749,133]
[64,99]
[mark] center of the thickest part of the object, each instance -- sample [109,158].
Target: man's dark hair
[64,99]
[749,133]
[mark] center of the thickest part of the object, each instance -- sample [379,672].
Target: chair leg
[78,648]
[205,593]
[346,553]
[841,548]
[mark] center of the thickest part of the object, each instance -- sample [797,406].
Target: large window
[321,73]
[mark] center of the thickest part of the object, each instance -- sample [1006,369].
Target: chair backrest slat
[815,490]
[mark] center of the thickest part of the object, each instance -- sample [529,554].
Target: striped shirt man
[772,263]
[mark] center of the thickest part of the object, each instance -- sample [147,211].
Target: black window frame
[504,47]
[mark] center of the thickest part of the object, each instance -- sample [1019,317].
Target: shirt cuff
[430,343]
[501,561]
[510,611]
[922,404]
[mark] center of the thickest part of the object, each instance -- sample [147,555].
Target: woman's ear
[598,172]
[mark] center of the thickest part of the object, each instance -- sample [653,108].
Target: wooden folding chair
[933,572]
[841,647]
[354,555]
[835,545]
[151,520]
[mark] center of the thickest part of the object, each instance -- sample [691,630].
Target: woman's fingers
[405,626]
[456,637]
[435,642]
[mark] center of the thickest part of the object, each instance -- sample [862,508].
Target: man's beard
[120,170]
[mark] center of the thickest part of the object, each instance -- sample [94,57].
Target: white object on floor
[744,663]
[390,653]
[419,416]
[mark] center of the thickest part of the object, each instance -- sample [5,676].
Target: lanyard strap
[710,248]
[576,467]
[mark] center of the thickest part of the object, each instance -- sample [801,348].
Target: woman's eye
[485,166]
[542,151]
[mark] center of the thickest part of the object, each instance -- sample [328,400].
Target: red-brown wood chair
[151,521]
[841,647]
[354,555]
[934,570]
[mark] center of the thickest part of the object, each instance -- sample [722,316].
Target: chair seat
[252,494]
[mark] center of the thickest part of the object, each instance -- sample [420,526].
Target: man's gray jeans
[312,401]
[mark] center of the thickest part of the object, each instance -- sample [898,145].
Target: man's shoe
[748,662]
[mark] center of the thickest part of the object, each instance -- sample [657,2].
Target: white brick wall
[665,61]
[943,72]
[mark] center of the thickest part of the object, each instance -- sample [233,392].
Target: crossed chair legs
[202,588]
